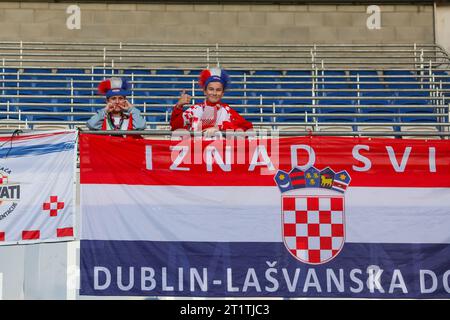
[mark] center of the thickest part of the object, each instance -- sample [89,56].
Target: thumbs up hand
[184,99]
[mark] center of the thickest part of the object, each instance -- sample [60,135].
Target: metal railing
[315,97]
[126,55]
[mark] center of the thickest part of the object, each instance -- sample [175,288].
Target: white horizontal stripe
[253,214]
[46,137]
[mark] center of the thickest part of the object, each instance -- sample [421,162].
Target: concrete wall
[442,26]
[222,23]
[35,271]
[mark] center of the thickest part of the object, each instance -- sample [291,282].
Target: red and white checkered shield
[313,226]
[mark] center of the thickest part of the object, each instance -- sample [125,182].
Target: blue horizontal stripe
[40,149]
[264,269]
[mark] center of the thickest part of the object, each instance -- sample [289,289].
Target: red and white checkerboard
[313,227]
[3,179]
[53,205]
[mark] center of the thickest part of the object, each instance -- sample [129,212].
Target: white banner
[37,175]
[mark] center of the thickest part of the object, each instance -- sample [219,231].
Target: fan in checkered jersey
[313,220]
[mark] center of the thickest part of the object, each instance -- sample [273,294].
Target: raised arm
[176,119]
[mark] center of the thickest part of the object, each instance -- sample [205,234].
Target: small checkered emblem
[3,178]
[313,227]
[53,205]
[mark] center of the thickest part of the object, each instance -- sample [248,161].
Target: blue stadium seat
[74,75]
[75,108]
[174,76]
[53,117]
[8,70]
[372,73]
[235,83]
[76,71]
[154,82]
[298,73]
[8,78]
[417,90]
[381,106]
[155,102]
[129,72]
[339,98]
[386,119]
[300,94]
[442,76]
[274,73]
[394,76]
[292,76]
[368,79]
[85,82]
[188,78]
[233,100]
[137,75]
[37,108]
[289,84]
[90,100]
[266,95]
[83,118]
[412,118]
[377,98]
[83,91]
[296,118]
[333,118]
[264,83]
[235,73]
[327,76]
[169,71]
[183,83]
[37,70]
[264,76]
[98,74]
[341,89]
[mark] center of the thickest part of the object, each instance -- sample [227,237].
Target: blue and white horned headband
[213,75]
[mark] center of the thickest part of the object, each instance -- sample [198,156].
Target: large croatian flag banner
[37,176]
[287,217]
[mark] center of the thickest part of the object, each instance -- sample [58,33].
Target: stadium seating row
[68,94]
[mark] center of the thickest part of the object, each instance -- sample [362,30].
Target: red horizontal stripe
[297,174]
[31,234]
[31,136]
[339,185]
[2,236]
[115,160]
[64,232]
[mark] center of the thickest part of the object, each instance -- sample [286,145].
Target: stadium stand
[405,89]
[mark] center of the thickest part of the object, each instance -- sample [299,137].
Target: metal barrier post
[217,56]
[21,52]
[193,91]
[132,91]
[104,62]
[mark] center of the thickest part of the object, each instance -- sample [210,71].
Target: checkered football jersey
[202,116]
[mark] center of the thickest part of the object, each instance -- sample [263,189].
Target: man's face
[214,92]
[118,102]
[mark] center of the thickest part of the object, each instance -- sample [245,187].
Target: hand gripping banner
[288,217]
[37,175]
